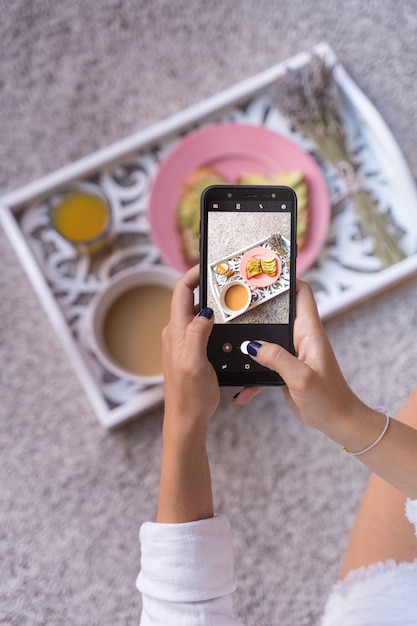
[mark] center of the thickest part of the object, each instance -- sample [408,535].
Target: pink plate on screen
[232,150]
[261,280]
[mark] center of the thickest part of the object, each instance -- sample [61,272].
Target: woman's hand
[191,397]
[318,394]
[315,390]
[191,386]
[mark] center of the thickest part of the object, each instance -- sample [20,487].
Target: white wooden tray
[65,284]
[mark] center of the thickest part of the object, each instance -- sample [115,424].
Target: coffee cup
[126,319]
[235,297]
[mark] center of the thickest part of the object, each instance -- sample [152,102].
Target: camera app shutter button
[244,347]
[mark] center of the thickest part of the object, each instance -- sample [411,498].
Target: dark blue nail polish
[253,348]
[207,313]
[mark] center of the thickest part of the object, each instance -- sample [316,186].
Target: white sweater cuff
[190,562]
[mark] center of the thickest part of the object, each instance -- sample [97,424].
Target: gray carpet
[77,76]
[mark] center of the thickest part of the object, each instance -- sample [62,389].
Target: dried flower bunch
[309,97]
[277,244]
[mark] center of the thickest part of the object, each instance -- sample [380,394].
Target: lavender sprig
[309,97]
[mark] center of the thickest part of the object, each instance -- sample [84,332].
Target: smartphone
[248,252]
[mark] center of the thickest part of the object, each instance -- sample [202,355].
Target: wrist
[176,429]
[185,410]
[357,428]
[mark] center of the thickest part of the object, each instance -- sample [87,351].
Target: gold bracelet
[376,440]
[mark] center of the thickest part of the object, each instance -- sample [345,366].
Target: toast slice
[253,267]
[188,219]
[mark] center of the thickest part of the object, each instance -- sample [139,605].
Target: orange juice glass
[81,214]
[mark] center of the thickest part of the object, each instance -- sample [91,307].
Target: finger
[246,395]
[197,335]
[276,358]
[311,343]
[307,319]
[182,303]
[306,312]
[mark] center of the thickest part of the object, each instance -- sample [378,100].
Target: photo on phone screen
[248,243]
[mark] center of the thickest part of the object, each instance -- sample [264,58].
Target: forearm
[318,394]
[393,458]
[185,492]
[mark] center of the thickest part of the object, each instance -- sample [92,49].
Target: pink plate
[232,150]
[262,280]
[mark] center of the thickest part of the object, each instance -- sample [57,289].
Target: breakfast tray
[261,294]
[344,273]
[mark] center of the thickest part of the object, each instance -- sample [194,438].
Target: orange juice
[81,217]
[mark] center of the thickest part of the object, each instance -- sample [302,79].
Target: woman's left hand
[191,386]
[191,397]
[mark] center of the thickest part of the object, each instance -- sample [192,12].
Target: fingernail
[253,348]
[207,313]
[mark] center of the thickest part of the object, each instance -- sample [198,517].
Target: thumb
[278,359]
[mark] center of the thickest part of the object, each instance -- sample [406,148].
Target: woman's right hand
[318,394]
[315,390]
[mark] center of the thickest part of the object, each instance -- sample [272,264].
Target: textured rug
[75,77]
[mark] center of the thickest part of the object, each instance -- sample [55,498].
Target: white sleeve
[411,512]
[382,593]
[187,574]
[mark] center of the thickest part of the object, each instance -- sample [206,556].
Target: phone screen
[248,250]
